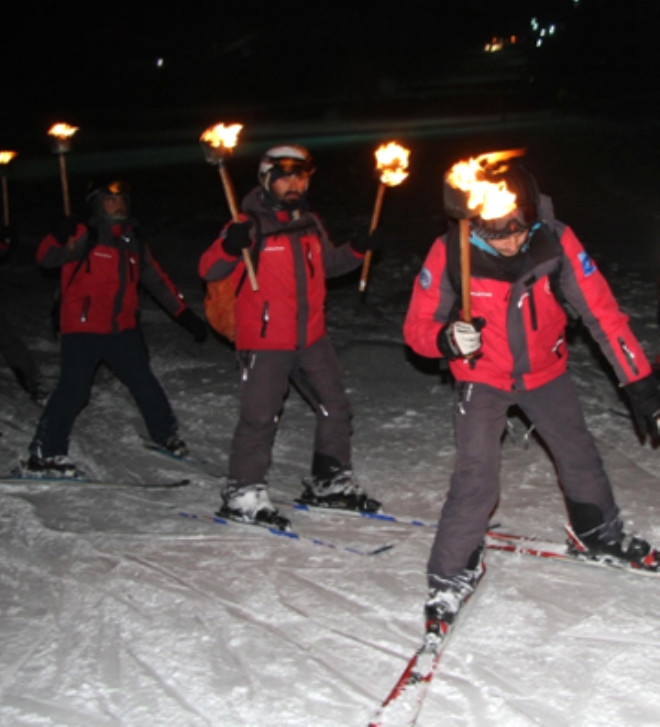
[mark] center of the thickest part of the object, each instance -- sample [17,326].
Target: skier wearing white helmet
[281,337]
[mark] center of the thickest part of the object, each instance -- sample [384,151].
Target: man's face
[509,246]
[115,207]
[290,189]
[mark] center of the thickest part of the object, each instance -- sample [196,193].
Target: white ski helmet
[284,159]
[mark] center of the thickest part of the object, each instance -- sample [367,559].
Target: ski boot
[338,491]
[627,551]
[58,466]
[448,594]
[251,504]
[176,446]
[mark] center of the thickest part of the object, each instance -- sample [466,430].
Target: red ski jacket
[523,343]
[101,270]
[293,257]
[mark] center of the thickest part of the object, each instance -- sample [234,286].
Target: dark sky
[106,37]
[104,57]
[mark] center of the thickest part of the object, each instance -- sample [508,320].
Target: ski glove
[6,239]
[65,229]
[193,324]
[645,404]
[459,339]
[364,241]
[237,238]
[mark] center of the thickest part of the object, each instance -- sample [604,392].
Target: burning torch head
[110,198]
[282,161]
[522,184]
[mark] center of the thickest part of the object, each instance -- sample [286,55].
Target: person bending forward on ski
[281,336]
[102,263]
[526,269]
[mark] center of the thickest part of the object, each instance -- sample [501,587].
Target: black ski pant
[18,357]
[480,421]
[265,378]
[81,353]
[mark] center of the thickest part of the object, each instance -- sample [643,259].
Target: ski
[403,704]
[572,551]
[14,480]
[199,464]
[218,520]
[378,516]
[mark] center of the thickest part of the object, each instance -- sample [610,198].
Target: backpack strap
[90,244]
[453,266]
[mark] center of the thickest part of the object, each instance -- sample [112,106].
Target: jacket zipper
[265,317]
[85,309]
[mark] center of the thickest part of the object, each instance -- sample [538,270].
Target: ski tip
[381,549]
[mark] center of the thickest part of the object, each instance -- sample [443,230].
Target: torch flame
[62,131]
[491,200]
[392,162]
[221,136]
[7,156]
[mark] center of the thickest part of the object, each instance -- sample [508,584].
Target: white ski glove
[459,339]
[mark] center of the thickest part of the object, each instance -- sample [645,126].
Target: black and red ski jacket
[523,344]
[102,266]
[295,256]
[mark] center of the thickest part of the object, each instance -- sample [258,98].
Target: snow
[118,610]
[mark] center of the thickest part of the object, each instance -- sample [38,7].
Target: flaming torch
[218,143]
[6,158]
[469,192]
[392,163]
[62,134]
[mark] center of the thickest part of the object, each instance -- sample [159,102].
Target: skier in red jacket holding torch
[526,268]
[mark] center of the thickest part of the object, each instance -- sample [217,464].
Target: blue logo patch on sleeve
[425,278]
[588,265]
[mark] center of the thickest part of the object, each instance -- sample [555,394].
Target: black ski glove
[237,238]
[65,229]
[193,324]
[6,240]
[459,339]
[645,404]
[364,241]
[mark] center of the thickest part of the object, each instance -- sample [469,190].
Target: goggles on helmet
[299,167]
[520,220]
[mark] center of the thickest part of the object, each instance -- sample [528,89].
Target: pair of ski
[403,704]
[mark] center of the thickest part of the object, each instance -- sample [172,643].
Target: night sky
[102,62]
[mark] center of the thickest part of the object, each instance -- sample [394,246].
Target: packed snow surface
[130,606]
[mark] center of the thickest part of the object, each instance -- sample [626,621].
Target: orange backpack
[220,298]
[219,303]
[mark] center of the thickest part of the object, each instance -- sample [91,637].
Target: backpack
[220,297]
[219,303]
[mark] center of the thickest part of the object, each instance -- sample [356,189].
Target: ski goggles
[286,167]
[520,220]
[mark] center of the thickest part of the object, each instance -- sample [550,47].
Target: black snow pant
[480,421]
[265,377]
[18,357]
[81,354]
